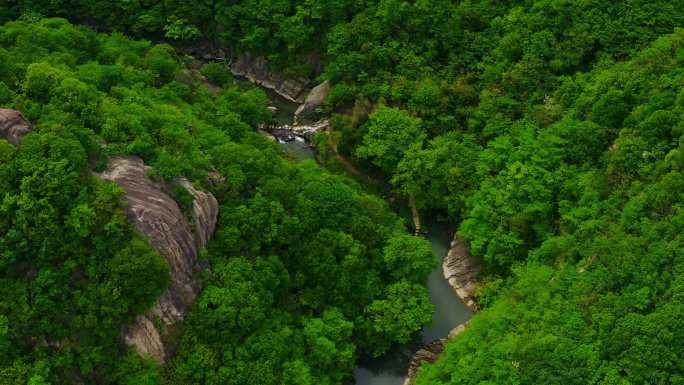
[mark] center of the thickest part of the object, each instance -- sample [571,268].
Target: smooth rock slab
[461,269]
[160,220]
[314,100]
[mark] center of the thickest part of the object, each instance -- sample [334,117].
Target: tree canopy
[548,132]
[302,267]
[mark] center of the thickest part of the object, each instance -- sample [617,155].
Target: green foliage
[409,257]
[404,310]
[6,93]
[303,263]
[217,73]
[588,212]
[161,62]
[297,257]
[440,175]
[184,199]
[178,29]
[249,106]
[390,132]
[550,131]
[41,80]
[7,151]
[66,245]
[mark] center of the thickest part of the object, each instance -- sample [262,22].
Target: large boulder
[314,101]
[160,220]
[13,126]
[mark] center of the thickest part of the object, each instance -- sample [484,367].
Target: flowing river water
[391,369]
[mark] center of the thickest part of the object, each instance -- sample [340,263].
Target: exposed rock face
[13,126]
[146,339]
[204,213]
[256,69]
[157,217]
[460,269]
[430,353]
[314,100]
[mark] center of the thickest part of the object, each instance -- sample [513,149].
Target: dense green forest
[307,271]
[548,131]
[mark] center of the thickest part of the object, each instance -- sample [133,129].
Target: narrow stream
[449,312]
[391,369]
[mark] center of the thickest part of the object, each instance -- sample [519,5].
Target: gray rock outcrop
[159,219]
[314,100]
[204,212]
[256,69]
[304,130]
[430,352]
[461,269]
[13,126]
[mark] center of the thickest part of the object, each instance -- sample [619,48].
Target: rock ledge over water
[257,70]
[430,353]
[461,269]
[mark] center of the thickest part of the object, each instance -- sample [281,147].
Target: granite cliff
[159,219]
[258,71]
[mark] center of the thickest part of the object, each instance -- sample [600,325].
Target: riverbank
[450,285]
[460,270]
[451,311]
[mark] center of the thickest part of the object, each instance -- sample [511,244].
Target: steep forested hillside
[598,195]
[303,274]
[548,131]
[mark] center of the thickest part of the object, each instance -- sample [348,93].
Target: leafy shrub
[217,73]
